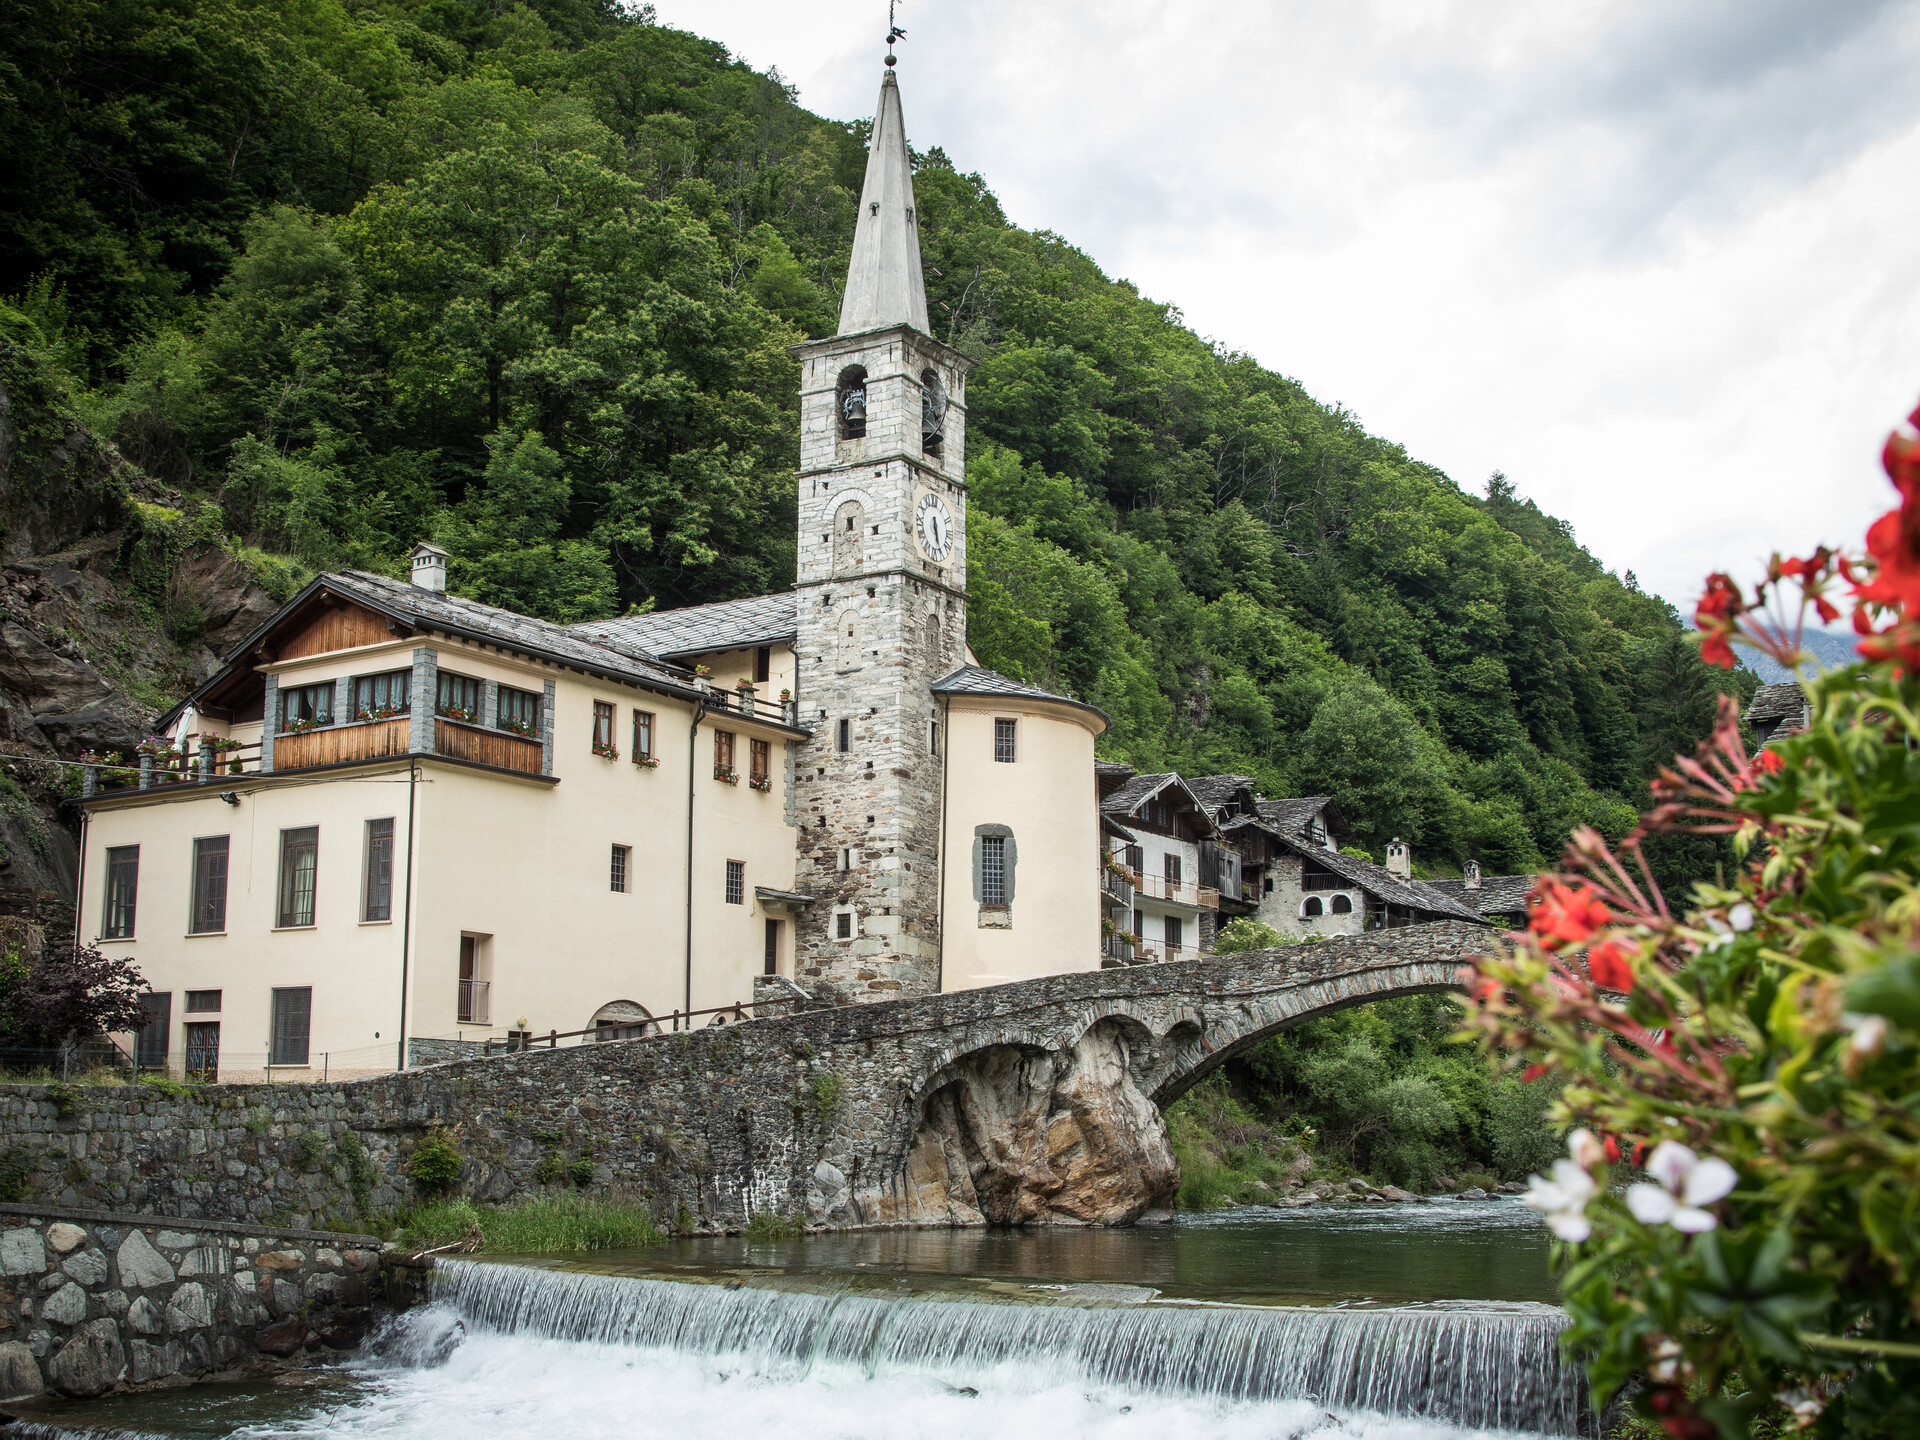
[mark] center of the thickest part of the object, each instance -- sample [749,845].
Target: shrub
[436,1161]
[770,1225]
[1756,1048]
[827,1089]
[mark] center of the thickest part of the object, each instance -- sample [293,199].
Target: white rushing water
[508,1349]
[585,1356]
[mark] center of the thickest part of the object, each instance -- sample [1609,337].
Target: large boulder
[91,1363]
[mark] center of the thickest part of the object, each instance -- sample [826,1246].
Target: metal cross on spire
[894,32]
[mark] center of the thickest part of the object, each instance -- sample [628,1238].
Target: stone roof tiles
[978,680]
[1497,895]
[700,629]
[434,610]
[1785,701]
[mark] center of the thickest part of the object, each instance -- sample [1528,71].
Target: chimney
[1472,881]
[430,567]
[1399,859]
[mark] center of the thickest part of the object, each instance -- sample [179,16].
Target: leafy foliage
[523,278]
[1756,1048]
[68,995]
[434,1166]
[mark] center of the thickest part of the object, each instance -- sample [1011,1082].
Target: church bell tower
[881,600]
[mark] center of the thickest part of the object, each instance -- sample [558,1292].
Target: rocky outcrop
[82,663]
[1024,1136]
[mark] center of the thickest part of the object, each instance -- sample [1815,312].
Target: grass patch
[770,1225]
[536,1226]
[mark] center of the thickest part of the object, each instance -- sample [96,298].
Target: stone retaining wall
[92,1302]
[1051,1085]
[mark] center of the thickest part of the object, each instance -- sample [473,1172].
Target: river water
[1414,1322]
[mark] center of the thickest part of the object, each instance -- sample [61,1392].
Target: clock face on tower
[933,522]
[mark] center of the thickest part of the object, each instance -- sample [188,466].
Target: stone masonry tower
[881,600]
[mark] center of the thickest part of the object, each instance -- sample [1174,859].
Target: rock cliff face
[1024,1137]
[85,663]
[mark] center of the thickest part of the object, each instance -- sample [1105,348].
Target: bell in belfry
[933,407]
[854,405]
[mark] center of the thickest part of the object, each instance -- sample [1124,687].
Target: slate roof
[430,608]
[1121,803]
[1291,816]
[424,609]
[1213,791]
[700,629]
[978,680]
[1380,881]
[1778,702]
[1497,895]
[1113,769]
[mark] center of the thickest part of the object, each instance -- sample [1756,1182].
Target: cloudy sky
[1658,260]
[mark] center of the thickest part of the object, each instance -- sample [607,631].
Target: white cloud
[1653,261]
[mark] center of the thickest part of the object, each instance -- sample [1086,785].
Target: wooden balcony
[498,748]
[338,744]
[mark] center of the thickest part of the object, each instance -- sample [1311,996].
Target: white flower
[1741,917]
[1869,1032]
[1687,1183]
[1563,1199]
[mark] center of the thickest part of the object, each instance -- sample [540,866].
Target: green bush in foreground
[537,1226]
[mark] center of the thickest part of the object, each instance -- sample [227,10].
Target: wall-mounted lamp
[231,797]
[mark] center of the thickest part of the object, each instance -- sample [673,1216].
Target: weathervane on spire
[894,32]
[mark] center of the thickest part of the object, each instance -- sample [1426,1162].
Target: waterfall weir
[1480,1366]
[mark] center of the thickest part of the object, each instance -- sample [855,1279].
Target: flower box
[647,762]
[607,752]
[762,783]
[730,776]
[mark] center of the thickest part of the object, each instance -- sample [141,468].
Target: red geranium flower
[1612,1150]
[1566,915]
[1532,1073]
[1608,965]
[1769,761]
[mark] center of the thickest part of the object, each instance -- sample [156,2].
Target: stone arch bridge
[1031,1103]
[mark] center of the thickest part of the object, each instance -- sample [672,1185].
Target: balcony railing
[1117,890]
[499,748]
[339,744]
[749,706]
[476,1007]
[1179,892]
[1148,951]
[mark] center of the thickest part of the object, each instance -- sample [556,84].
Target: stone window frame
[1010,854]
[851,916]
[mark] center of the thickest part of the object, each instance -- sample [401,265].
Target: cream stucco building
[398,824]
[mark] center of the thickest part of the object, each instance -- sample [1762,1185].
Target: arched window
[935,649]
[623,1020]
[850,403]
[849,528]
[1343,904]
[1311,910]
[933,413]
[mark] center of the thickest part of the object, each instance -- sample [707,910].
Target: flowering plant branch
[1753,1050]
[606,750]
[761,782]
[649,762]
[457,712]
[726,773]
[522,728]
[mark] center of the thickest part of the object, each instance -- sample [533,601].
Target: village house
[397,825]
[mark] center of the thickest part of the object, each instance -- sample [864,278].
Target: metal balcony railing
[1179,892]
[476,1006]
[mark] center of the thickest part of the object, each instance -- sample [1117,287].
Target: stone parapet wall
[1040,1098]
[93,1301]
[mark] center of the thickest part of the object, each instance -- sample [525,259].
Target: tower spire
[884,283]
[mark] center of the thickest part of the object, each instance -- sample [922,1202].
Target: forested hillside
[346,273]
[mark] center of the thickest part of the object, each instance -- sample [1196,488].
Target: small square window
[1003,741]
[379,697]
[517,712]
[203,1002]
[618,878]
[306,706]
[843,925]
[736,882]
